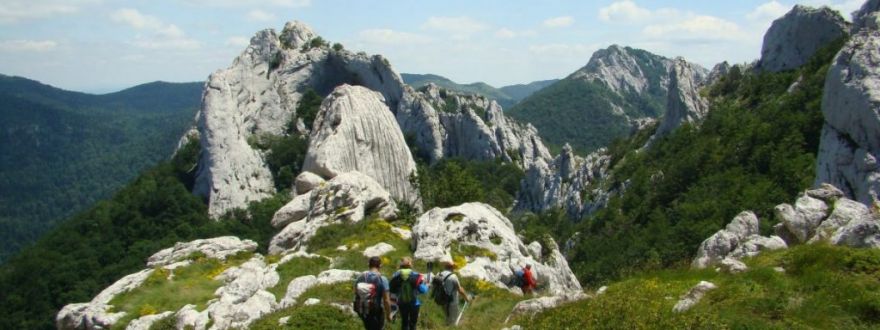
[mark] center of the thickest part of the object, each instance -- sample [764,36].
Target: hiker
[528,280]
[446,292]
[371,298]
[407,285]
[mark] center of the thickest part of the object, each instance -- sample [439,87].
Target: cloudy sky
[106,45]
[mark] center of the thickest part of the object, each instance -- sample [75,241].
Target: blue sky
[106,45]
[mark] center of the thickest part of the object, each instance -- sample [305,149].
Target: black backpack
[438,290]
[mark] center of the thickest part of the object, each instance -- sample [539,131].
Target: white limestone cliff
[793,39]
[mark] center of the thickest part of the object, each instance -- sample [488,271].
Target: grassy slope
[822,287]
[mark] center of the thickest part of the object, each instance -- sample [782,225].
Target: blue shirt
[422,288]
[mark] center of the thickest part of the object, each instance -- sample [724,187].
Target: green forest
[63,151]
[755,149]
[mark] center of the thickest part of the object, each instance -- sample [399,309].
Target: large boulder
[723,243]
[97,314]
[479,226]
[802,219]
[349,197]
[849,145]
[355,131]
[793,39]
[693,296]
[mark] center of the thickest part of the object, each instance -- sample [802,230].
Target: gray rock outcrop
[537,305]
[793,39]
[349,197]
[256,96]
[214,248]
[741,238]
[693,296]
[97,313]
[849,144]
[355,131]
[684,103]
[480,226]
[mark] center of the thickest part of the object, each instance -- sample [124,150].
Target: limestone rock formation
[355,131]
[215,248]
[818,215]
[793,39]
[684,103]
[863,18]
[693,296]
[537,305]
[619,69]
[258,94]
[302,284]
[849,145]
[348,197]
[740,238]
[441,233]
[97,314]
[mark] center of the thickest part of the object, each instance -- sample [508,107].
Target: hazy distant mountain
[506,96]
[61,151]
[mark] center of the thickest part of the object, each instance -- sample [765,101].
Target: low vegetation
[451,182]
[821,287]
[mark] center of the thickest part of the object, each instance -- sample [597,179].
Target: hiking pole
[463,308]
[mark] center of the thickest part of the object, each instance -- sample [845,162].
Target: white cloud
[624,11]
[27,45]
[505,33]
[391,37]
[12,11]
[768,11]
[163,35]
[237,42]
[845,7]
[459,27]
[696,28]
[557,22]
[250,3]
[257,15]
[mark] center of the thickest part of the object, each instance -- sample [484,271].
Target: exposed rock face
[849,146]
[693,296]
[809,220]
[863,18]
[793,39]
[145,322]
[355,131]
[348,197]
[619,69]
[481,226]
[569,182]
[302,284]
[684,104]
[258,93]
[216,248]
[720,70]
[96,314]
[378,250]
[740,238]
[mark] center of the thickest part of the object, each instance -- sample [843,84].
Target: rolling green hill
[62,151]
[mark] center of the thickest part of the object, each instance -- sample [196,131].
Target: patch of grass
[357,237]
[464,250]
[487,311]
[332,293]
[309,317]
[823,287]
[296,268]
[193,284]
[167,323]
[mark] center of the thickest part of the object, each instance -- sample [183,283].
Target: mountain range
[63,151]
[742,197]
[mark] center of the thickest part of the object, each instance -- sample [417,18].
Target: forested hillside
[62,151]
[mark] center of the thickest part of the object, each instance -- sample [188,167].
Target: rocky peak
[849,147]
[793,39]
[865,16]
[684,103]
[718,71]
[622,69]
[296,34]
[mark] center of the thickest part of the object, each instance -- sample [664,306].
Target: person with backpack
[447,291]
[528,280]
[372,301]
[407,285]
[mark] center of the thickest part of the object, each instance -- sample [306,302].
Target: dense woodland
[60,151]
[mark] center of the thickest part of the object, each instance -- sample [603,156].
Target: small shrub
[338,47]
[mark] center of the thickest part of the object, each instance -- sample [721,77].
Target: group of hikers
[377,299]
